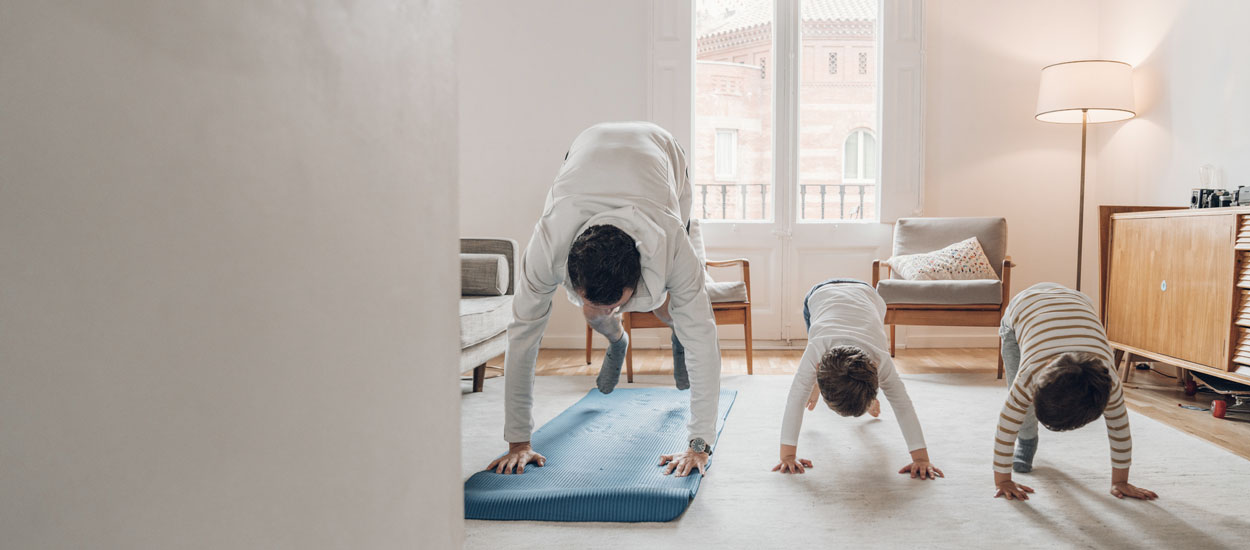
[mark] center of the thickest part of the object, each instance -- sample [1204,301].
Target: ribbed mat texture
[602,455]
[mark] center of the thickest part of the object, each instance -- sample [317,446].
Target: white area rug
[853,497]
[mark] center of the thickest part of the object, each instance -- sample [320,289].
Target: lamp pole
[1080,213]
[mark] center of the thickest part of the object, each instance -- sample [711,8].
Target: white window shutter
[902,109]
[670,101]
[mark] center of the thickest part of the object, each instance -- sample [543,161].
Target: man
[613,233]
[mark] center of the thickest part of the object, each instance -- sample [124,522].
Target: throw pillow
[483,275]
[964,260]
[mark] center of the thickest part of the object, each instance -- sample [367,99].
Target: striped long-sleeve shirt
[1049,320]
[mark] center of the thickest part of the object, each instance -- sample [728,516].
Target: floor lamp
[1085,92]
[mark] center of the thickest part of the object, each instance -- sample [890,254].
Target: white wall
[533,75]
[985,154]
[225,275]
[1192,87]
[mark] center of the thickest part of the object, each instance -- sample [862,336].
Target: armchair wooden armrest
[1007,265]
[746,270]
[876,271]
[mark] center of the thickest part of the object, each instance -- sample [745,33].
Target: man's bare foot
[874,408]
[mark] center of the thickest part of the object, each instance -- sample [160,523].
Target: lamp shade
[1103,89]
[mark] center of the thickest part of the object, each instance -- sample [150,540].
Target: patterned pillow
[964,260]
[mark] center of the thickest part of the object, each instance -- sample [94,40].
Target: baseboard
[662,342]
[951,341]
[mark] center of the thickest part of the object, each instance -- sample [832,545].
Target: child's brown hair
[1072,391]
[847,377]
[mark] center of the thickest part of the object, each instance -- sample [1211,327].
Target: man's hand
[1124,489]
[792,465]
[1013,490]
[922,469]
[814,399]
[519,454]
[684,462]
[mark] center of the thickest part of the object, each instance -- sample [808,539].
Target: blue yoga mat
[602,455]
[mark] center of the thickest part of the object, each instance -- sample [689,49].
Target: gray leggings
[1011,367]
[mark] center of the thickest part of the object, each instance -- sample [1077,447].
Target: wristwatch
[698,445]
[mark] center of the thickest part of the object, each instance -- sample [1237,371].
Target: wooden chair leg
[479,377]
[892,339]
[746,330]
[588,334]
[629,350]
[1000,360]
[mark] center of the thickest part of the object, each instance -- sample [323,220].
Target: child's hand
[815,398]
[1013,491]
[1124,489]
[791,465]
[922,469]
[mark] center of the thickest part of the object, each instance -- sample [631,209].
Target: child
[846,359]
[1061,374]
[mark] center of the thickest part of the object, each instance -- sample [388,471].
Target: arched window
[860,158]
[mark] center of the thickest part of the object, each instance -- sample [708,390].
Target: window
[837,112]
[859,164]
[726,155]
[775,168]
[731,164]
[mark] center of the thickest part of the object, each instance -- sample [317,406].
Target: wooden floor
[1146,392]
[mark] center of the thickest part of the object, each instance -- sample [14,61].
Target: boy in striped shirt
[1061,373]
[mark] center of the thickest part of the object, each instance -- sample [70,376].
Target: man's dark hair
[847,377]
[1072,391]
[603,262]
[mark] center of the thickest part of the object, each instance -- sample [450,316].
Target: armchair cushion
[482,317]
[728,291]
[919,235]
[982,291]
[483,274]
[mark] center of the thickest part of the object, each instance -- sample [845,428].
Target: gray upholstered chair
[978,303]
[487,284]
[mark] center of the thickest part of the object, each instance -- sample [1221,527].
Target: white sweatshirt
[631,175]
[848,314]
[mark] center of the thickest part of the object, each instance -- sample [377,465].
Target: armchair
[487,284]
[978,303]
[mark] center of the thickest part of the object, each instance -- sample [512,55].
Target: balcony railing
[840,190]
[749,201]
[732,195]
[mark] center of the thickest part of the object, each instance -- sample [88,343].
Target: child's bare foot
[874,408]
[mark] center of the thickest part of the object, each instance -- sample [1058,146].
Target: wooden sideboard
[1176,286]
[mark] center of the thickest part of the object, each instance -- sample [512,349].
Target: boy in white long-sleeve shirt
[1059,367]
[846,359]
[613,234]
